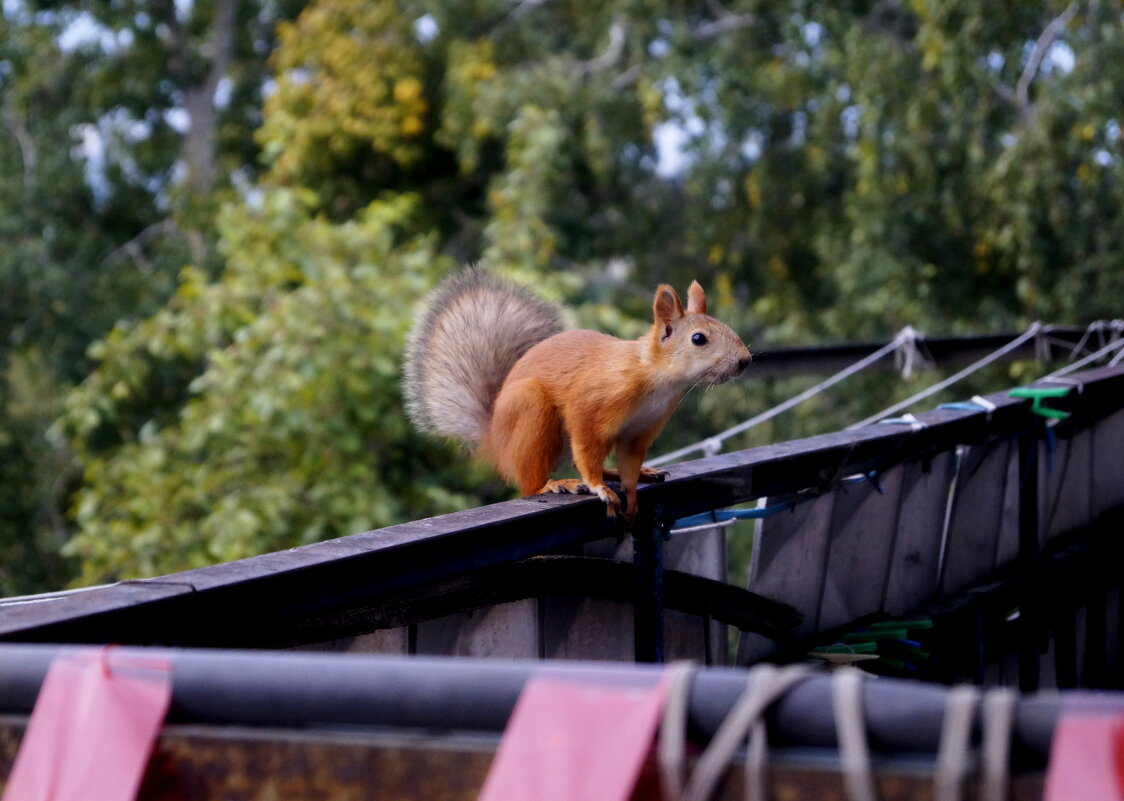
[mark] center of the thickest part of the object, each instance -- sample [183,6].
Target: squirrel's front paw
[652,475]
[575,486]
[610,498]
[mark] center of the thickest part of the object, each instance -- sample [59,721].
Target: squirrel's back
[471,331]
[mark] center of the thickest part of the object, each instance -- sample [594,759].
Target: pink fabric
[1086,758]
[92,730]
[568,741]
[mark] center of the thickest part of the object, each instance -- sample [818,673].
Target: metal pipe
[314,690]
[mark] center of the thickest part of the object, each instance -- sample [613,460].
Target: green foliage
[349,93]
[291,429]
[105,196]
[845,169]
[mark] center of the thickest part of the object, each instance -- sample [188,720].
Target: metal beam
[944,351]
[328,691]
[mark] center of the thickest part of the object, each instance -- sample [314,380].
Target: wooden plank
[1007,544]
[508,630]
[698,553]
[556,575]
[911,581]
[587,628]
[289,597]
[1113,663]
[493,612]
[1108,464]
[788,564]
[382,641]
[862,539]
[977,515]
[1065,484]
[592,628]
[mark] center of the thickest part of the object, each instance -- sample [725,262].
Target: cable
[713,444]
[906,345]
[1017,342]
[1092,357]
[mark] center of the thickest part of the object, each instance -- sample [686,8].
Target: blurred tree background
[219,216]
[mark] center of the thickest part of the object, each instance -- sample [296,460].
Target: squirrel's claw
[563,486]
[610,498]
[576,486]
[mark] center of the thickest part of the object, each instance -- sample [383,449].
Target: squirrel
[487,363]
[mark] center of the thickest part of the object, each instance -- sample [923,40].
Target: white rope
[911,355]
[953,755]
[1095,326]
[1017,342]
[672,744]
[712,445]
[1096,355]
[850,727]
[908,354]
[766,685]
[998,720]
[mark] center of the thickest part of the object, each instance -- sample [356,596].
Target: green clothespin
[1039,395]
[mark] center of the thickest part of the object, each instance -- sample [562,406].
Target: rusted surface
[818,782]
[195,763]
[198,763]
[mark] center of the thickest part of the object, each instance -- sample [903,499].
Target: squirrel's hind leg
[526,437]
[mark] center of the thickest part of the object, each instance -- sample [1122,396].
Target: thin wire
[769,414]
[1092,357]
[1017,342]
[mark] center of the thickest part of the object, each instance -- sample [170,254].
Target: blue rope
[963,406]
[715,516]
[725,515]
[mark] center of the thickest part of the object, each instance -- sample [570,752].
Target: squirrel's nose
[744,361]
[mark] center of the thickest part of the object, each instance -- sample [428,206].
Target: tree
[292,429]
[843,170]
[120,128]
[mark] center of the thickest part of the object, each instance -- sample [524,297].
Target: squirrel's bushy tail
[471,331]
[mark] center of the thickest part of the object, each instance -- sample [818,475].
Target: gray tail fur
[471,331]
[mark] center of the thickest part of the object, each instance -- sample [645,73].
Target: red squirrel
[488,364]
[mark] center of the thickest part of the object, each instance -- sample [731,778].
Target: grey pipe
[316,690]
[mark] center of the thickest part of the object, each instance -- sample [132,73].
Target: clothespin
[1038,396]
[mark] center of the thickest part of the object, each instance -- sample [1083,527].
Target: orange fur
[485,364]
[604,394]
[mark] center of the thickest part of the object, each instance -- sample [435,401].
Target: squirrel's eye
[698,338]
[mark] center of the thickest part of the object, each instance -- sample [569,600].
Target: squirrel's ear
[667,308]
[696,299]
